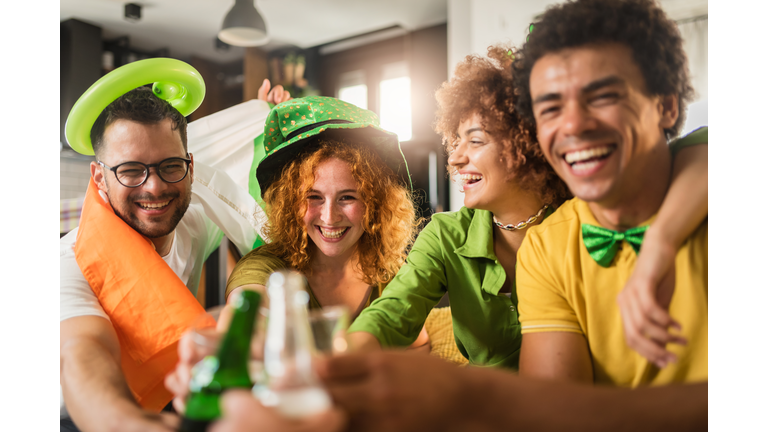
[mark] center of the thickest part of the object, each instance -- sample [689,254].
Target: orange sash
[147,303]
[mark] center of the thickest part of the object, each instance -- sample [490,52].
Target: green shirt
[454,254]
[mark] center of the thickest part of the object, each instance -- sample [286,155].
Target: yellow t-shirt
[561,288]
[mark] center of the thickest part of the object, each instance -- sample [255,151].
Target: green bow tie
[603,243]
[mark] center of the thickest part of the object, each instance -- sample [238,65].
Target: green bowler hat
[298,125]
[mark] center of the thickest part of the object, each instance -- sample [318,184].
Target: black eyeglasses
[134,174]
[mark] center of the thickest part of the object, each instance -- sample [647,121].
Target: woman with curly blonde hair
[471,254]
[337,211]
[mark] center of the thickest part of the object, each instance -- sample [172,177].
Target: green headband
[174,81]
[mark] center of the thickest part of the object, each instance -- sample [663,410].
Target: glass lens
[131,174]
[173,170]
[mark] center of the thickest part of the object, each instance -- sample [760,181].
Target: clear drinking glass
[290,384]
[329,328]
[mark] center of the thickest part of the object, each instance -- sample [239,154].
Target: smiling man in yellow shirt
[606,98]
[569,293]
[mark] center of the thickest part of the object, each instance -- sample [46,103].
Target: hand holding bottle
[201,340]
[227,369]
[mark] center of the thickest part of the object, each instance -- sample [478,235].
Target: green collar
[479,242]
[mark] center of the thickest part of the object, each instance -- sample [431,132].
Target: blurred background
[387,56]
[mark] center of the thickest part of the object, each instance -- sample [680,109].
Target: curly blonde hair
[484,86]
[389,221]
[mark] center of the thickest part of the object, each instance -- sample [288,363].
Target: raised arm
[552,406]
[644,302]
[392,391]
[95,391]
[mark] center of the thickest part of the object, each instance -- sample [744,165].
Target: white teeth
[581,155]
[153,205]
[469,177]
[332,233]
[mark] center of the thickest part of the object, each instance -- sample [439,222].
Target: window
[394,96]
[352,88]
[395,100]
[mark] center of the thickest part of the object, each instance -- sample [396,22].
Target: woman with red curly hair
[339,207]
[337,211]
[471,254]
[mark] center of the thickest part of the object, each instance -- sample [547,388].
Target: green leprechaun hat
[298,125]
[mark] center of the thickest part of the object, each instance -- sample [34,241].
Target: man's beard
[155,230]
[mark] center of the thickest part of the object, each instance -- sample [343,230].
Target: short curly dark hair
[139,105]
[484,86]
[642,25]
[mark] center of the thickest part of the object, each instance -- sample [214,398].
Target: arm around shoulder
[686,203]
[644,302]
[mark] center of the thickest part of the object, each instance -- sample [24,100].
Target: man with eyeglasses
[112,369]
[135,174]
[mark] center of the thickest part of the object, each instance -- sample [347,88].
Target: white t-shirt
[196,237]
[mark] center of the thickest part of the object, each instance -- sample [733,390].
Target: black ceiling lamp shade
[243,26]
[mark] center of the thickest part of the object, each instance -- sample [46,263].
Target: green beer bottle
[227,369]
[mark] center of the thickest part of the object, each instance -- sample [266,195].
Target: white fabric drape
[223,150]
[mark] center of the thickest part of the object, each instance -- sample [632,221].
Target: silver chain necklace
[520,225]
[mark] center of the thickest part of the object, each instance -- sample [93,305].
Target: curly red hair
[485,86]
[389,222]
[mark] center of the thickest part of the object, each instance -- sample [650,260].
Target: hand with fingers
[276,95]
[644,303]
[395,391]
[177,382]
[242,412]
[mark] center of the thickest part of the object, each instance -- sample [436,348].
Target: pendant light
[243,26]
